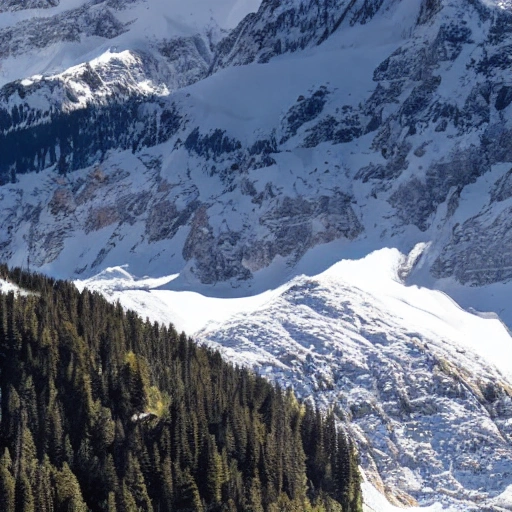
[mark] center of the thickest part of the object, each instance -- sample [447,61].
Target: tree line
[102,411]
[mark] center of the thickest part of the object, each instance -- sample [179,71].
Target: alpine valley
[320,189]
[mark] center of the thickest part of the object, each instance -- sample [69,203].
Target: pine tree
[68,492]
[254,501]
[111,503]
[7,483]
[188,495]
[43,494]
[24,494]
[214,472]
[136,483]
[127,502]
[167,494]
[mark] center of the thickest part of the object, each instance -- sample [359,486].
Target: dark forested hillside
[73,140]
[102,411]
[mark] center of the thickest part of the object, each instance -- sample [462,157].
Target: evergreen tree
[7,483]
[24,494]
[67,491]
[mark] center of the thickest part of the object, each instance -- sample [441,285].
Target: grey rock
[284,27]
[502,189]
[16,5]
[212,145]
[503,98]
[303,112]
[216,258]
[479,251]
[164,219]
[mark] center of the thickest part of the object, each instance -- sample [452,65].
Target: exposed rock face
[105,202]
[177,59]
[479,251]
[16,5]
[282,27]
[298,224]
[188,59]
[88,21]
[217,257]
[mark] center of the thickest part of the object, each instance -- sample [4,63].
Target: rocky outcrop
[16,5]
[87,21]
[284,27]
[479,251]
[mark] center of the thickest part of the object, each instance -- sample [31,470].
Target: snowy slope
[426,385]
[401,120]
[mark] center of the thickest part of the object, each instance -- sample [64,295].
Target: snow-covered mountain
[46,37]
[237,146]
[309,122]
[426,385]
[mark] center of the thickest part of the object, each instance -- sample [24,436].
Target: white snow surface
[6,287]
[374,501]
[429,312]
[188,311]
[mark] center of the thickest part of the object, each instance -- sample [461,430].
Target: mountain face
[227,149]
[404,111]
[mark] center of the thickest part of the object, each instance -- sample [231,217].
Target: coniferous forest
[103,411]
